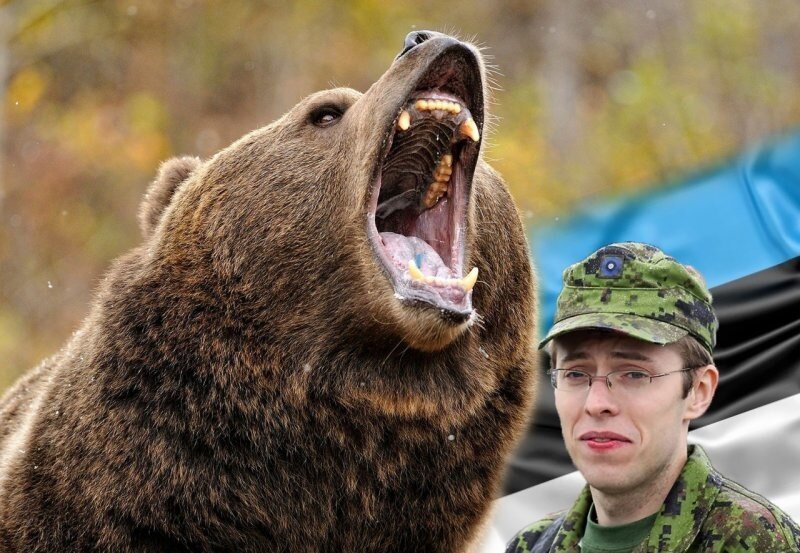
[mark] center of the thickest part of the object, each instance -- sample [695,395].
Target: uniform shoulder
[526,539]
[750,518]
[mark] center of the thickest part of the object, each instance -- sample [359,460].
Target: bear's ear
[171,173]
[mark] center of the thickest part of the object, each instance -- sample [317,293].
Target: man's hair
[694,356]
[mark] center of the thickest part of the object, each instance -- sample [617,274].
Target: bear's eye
[325,116]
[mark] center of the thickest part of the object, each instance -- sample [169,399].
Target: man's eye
[574,375]
[635,375]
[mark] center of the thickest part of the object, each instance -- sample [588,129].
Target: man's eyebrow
[573,355]
[630,355]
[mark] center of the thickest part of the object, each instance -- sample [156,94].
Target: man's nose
[413,39]
[600,399]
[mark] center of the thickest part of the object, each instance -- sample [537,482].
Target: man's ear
[702,391]
[170,175]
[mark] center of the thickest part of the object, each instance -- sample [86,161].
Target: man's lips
[601,441]
[603,436]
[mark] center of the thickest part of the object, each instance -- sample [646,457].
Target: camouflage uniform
[636,289]
[703,512]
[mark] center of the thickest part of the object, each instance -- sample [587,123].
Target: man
[631,367]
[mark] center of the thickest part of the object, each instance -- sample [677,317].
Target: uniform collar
[687,504]
[569,536]
[682,515]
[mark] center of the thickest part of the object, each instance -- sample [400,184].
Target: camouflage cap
[638,290]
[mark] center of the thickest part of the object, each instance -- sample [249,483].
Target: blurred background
[593,98]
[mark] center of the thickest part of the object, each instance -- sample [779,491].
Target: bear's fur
[248,379]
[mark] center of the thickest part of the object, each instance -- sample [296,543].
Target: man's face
[621,441]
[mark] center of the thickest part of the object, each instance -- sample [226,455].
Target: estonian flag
[739,225]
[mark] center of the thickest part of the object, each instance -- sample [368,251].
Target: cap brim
[648,330]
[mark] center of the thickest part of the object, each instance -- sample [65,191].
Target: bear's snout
[413,39]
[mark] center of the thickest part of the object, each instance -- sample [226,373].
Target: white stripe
[760,449]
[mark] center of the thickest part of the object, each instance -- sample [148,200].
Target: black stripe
[757,353]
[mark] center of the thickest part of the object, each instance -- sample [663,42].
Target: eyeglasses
[633,381]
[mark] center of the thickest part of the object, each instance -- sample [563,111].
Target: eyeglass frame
[553,373]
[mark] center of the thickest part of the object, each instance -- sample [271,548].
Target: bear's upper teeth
[438,187]
[404,121]
[434,105]
[427,128]
[469,129]
[439,109]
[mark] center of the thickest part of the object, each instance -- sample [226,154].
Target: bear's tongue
[403,249]
[421,263]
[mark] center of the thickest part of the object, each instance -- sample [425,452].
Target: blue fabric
[731,221]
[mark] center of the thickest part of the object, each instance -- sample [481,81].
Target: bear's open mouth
[419,202]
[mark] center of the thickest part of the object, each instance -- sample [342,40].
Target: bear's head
[360,226]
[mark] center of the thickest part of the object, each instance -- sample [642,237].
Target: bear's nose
[412,40]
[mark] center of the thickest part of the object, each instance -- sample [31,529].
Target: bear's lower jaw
[430,329]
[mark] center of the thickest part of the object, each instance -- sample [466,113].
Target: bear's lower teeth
[467,283]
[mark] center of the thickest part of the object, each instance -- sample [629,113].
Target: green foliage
[592,98]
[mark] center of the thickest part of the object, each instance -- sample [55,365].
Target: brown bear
[323,342]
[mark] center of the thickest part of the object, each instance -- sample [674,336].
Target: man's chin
[610,485]
[606,474]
